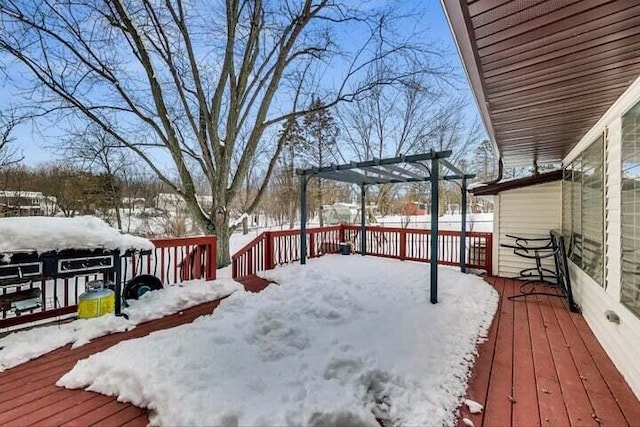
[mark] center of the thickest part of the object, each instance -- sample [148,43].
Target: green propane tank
[96,300]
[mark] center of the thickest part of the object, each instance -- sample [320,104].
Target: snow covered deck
[540,366]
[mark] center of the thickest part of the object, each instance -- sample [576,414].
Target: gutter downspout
[499,177]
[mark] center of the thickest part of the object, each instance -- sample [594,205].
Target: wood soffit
[544,71]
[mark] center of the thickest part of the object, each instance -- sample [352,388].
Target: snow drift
[342,340]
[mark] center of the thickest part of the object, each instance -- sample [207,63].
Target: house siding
[520,217]
[620,341]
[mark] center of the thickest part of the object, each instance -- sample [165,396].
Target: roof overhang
[544,71]
[513,184]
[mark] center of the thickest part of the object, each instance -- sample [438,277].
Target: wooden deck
[541,365]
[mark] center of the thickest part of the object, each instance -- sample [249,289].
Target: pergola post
[434,178]
[463,228]
[303,219]
[363,228]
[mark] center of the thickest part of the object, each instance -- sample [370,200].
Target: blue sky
[35,139]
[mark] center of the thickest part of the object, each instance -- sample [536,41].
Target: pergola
[396,170]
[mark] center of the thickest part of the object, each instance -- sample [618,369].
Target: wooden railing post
[489,254]
[341,234]
[234,268]
[212,259]
[268,251]
[403,244]
[312,244]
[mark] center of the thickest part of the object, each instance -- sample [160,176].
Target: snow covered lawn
[21,346]
[338,342]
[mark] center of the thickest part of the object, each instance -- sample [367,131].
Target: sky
[35,140]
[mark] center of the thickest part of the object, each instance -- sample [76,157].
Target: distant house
[414,208]
[172,202]
[26,203]
[133,202]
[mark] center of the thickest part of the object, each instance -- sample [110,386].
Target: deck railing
[273,248]
[173,261]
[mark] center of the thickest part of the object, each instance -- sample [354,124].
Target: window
[583,210]
[566,206]
[592,211]
[630,292]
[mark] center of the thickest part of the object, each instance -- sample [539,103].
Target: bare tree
[98,152]
[8,155]
[390,122]
[184,82]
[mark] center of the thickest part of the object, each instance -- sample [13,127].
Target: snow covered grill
[38,271]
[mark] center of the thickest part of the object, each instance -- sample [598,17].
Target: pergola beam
[407,170]
[377,162]
[348,176]
[381,170]
[452,167]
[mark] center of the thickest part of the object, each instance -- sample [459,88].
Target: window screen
[576,216]
[630,293]
[583,210]
[592,211]
[567,184]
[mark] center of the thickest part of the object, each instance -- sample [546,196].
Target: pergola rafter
[394,170]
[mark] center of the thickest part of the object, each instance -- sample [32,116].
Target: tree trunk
[320,210]
[220,221]
[224,237]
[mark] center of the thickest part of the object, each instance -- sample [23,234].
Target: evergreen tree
[321,133]
[294,140]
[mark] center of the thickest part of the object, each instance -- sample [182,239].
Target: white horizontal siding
[527,212]
[621,342]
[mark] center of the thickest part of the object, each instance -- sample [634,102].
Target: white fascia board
[466,50]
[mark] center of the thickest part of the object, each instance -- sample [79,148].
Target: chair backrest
[562,269]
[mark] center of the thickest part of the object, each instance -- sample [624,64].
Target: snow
[474,407]
[482,222]
[467,422]
[338,342]
[21,346]
[44,234]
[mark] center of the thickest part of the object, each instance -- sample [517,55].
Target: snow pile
[474,407]
[44,234]
[340,341]
[19,347]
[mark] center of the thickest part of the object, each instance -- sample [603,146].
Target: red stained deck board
[140,421]
[477,388]
[551,406]
[95,401]
[574,394]
[605,406]
[40,415]
[498,409]
[525,409]
[548,367]
[254,284]
[618,387]
[92,417]
[123,417]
